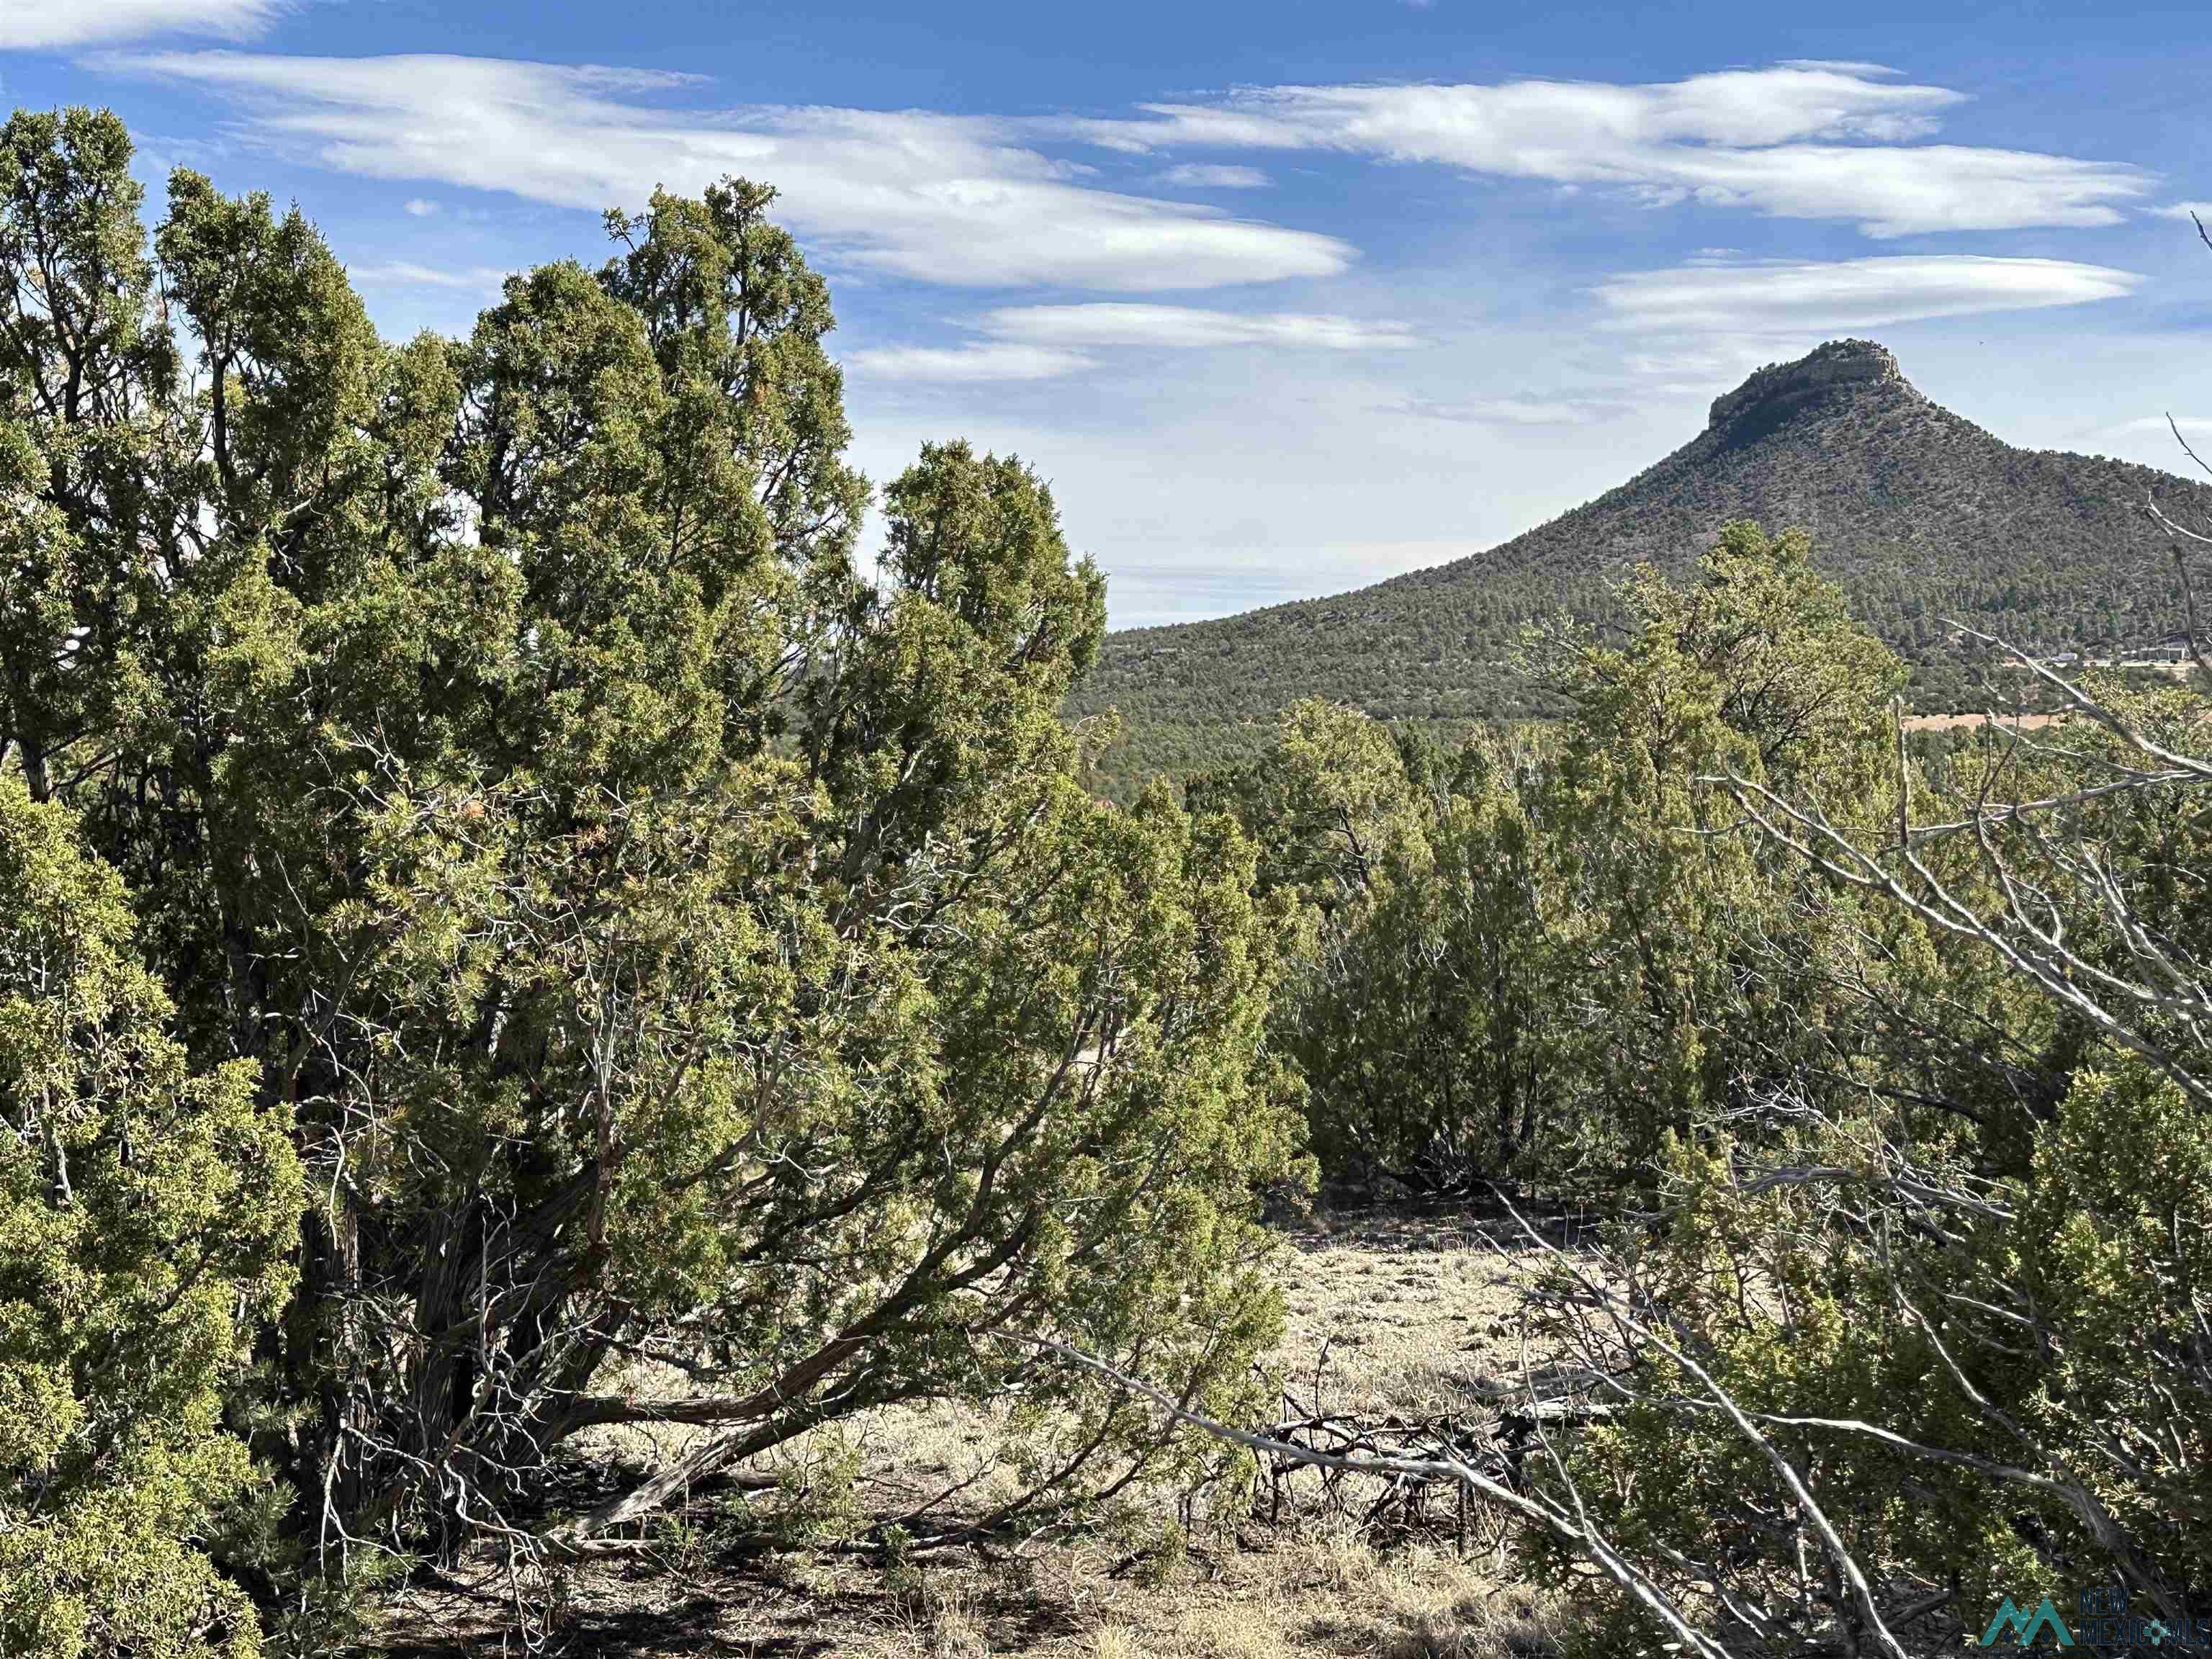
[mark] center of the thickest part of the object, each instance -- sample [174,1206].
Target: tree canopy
[684,968]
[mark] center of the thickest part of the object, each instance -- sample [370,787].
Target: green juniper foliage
[1956,1256]
[687,970]
[1911,1134]
[146,1211]
[1527,955]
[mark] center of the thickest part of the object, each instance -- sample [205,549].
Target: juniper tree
[1548,951]
[146,1211]
[664,943]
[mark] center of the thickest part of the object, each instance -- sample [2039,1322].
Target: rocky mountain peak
[1838,369]
[1916,512]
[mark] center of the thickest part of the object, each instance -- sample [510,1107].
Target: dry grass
[2010,722]
[1306,1596]
[1386,1314]
[1394,1314]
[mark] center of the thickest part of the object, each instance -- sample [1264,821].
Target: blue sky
[1282,298]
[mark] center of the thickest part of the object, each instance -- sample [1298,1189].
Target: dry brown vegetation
[1385,1314]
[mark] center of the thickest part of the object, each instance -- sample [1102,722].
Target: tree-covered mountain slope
[1919,514]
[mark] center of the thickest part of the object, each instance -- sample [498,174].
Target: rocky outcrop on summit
[1920,514]
[1779,391]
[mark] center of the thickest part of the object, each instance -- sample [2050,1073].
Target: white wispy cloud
[1847,293]
[1801,140]
[405,273]
[2183,211]
[950,199]
[46,25]
[1201,175]
[1190,327]
[1040,343]
[2188,423]
[1510,411]
[422,207]
[971,363]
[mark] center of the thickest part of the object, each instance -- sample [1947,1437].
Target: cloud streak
[2188,423]
[51,25]
[1200,175]
[1521,411]
[971,364]
[1799,141]
[1040,343]
[1190,328]
[406,273]
[938,198]
[1847,293]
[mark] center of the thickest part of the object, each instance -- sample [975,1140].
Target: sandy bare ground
[1956,722]
[1385,1314]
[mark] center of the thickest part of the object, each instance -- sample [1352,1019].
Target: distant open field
[1385,1314]
[1958,722]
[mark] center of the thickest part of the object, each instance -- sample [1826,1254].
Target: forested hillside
[1918,514]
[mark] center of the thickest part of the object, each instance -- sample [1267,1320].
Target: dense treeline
[506,931]
[1525,956]
[1896,1091]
